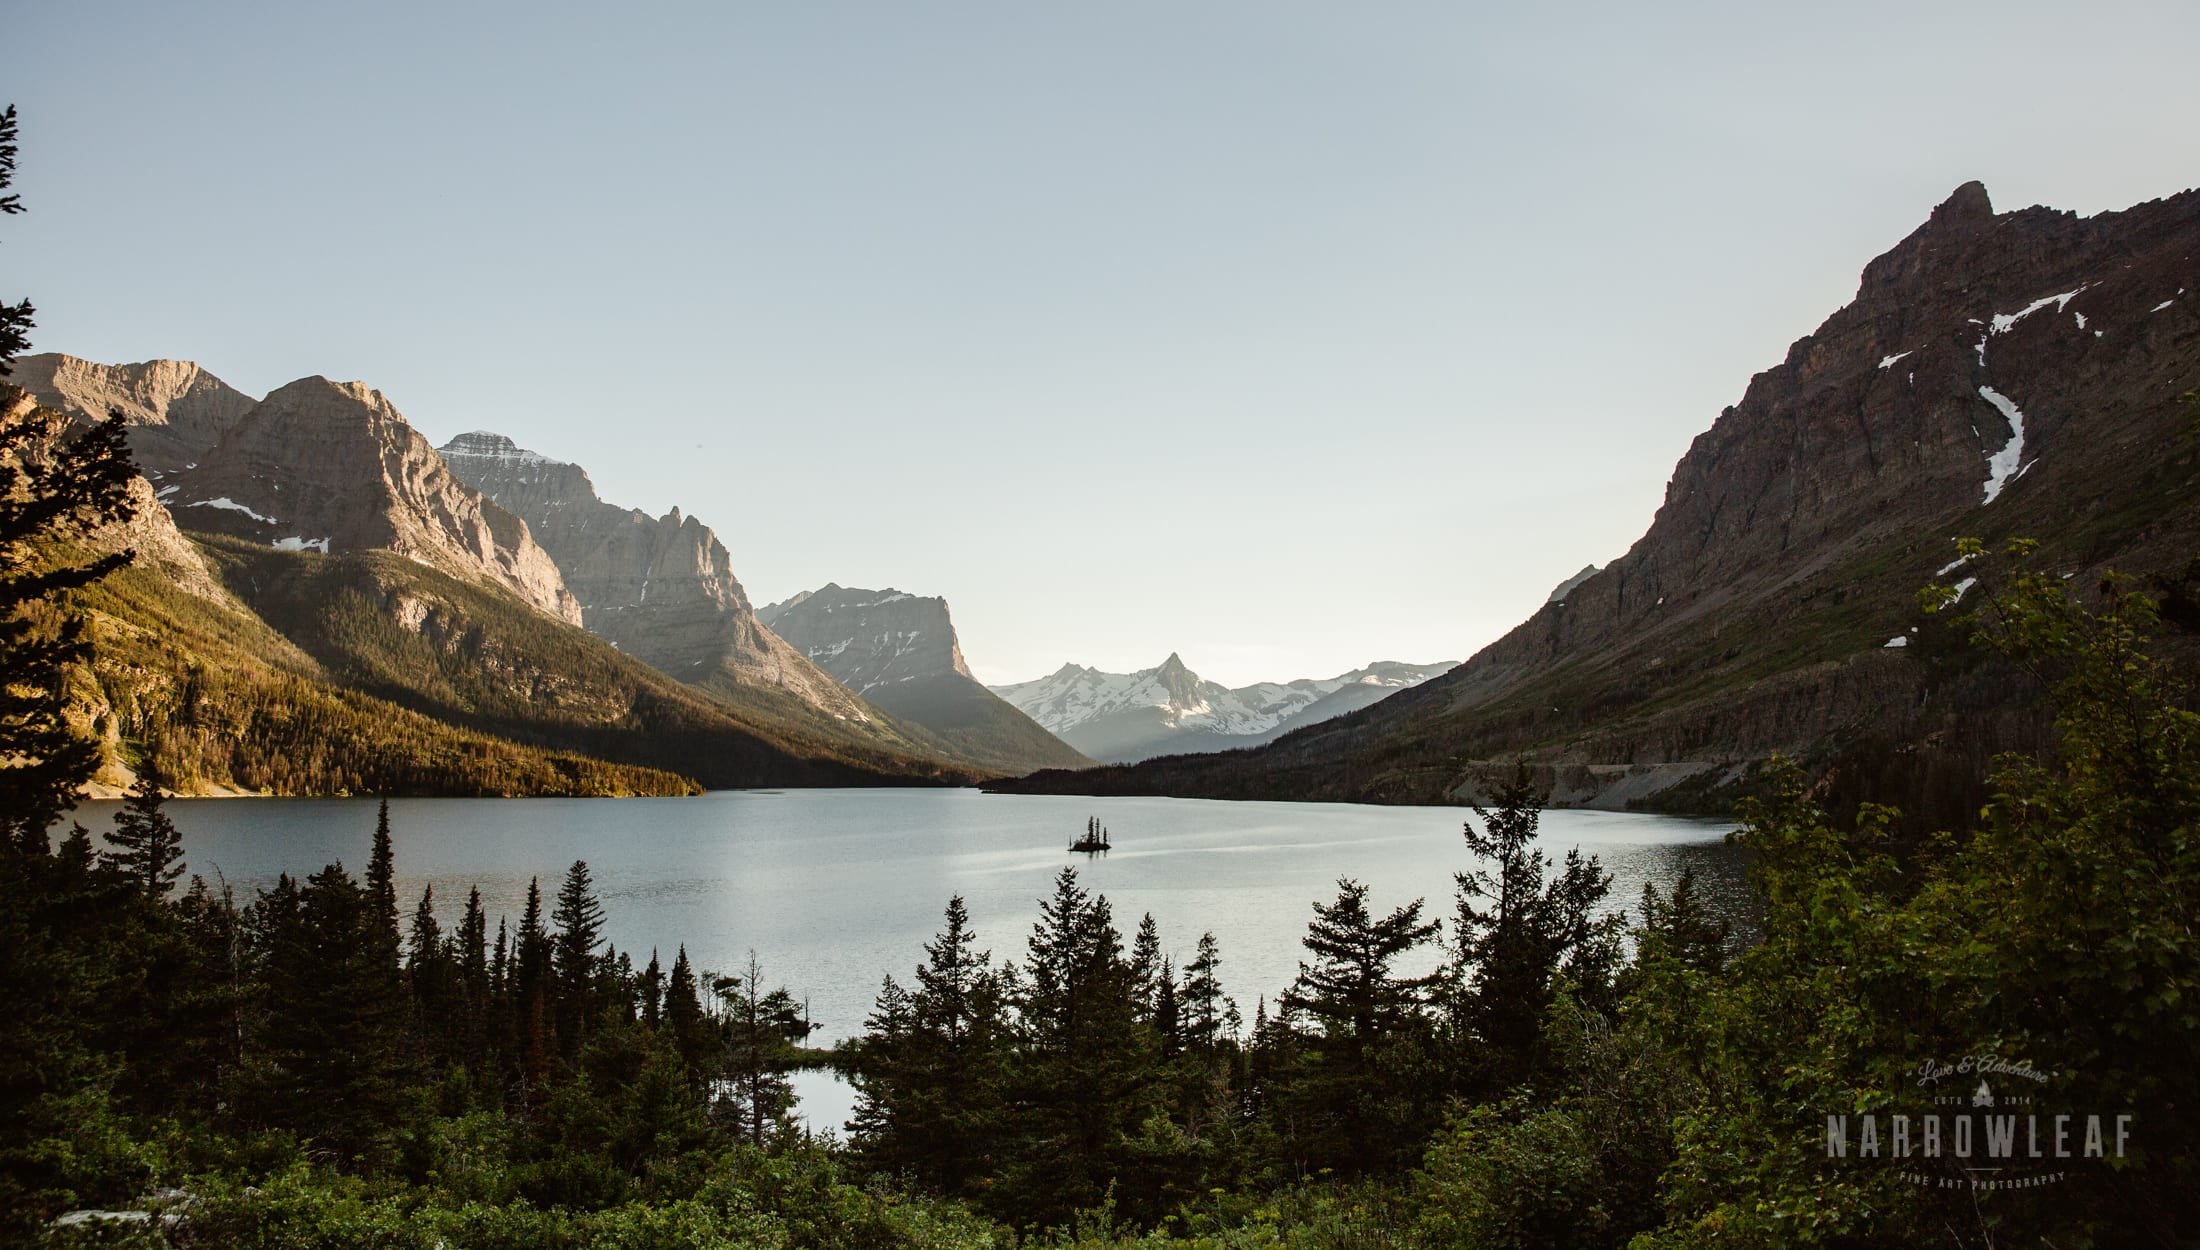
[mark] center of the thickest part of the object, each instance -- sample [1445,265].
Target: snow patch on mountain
[227,504]
[2001,465]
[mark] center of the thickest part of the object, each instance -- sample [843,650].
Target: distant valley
[1170,710]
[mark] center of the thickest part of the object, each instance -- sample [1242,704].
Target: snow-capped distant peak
[1169,700]
[487,445]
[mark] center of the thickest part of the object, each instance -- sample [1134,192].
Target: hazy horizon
[1283,338]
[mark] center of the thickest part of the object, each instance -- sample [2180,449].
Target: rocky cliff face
[869,638]
[661,588]
[150,531]
[1997,375]
[1169,709]
[176,410]
[899,651]
[333,467]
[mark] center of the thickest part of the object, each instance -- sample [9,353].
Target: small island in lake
[1095,841]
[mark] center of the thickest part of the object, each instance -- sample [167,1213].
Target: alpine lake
[833,890]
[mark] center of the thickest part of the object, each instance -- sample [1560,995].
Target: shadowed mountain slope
[2018,374]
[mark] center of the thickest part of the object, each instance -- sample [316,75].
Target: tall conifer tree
[147,847]
[1366,1093]
[579,919]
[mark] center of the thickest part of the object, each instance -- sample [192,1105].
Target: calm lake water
[835,889]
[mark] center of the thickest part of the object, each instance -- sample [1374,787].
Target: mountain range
[1997,375]
[324,602]
[1168,709]
[660,589]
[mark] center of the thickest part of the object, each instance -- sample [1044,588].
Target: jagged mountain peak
[176,410]
[334,467]
[900,652]
[1968,203]
[318,396]
[487,444]
[492,463]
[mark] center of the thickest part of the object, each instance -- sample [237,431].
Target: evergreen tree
[430,971]
[1204,1006]
[533,992]
[579,919]
[931,1068]
[1520,935]
[684,1015]
[1211,1075]
[332,1026]
[16,318]
[475,995]
[1087,1072]
[501,1028]
[56,485]
[616,982]
[424,944]
[147,848]
[652,987]
[1682,926]
[1146,973]
[500,966]
[382,879]
[198,1047]
[1366,1092]
[759,1033]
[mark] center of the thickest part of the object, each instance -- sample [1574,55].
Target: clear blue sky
[1287,336]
